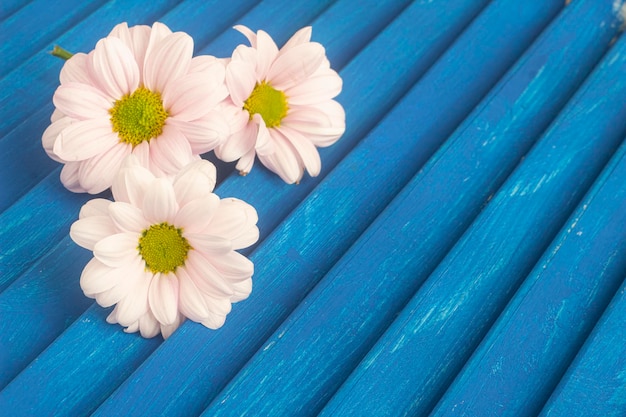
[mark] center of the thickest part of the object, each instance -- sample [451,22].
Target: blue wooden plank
[594,384]
[8,7]
[414,361]
[203,19]
[521,360]
[307,357]
[405,64]
[21,35]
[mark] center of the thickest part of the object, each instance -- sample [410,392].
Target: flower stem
[61,53]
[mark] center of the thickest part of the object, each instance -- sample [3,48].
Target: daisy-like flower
[139,91]
[164,250]
[282,101]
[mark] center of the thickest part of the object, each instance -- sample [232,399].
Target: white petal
[195,180]
[193,95]
[168,329]
[240,79]
[149,326]
[163,298]
[247,33]
[131,182]
[204,134]
[82,101]
[296,65]
[238,144]
[233,266]
[246,162]
[205,276]
[75,69]
[316,89]
[115,68]
[306,150]
[96,174]
[51,134]
[135,303]
[88,231]
[301,36]
[127,218]
[196,215]
[69,177]
[283,161]
[159,202]
[85,139]
[235,220]
[191,302]
[267,52]
[117,250]
[95,207]
[264,143]
[242,290]
[98,277]
[209,245]
[122,282]
[167,60]
[171,151]
[214,321]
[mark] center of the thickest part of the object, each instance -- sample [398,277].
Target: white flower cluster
[134,115]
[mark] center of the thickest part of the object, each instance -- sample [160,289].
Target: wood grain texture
[414,361]
[524,355]
[594,383]
[279,286]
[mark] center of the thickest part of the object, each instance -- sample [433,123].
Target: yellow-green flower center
[270,103]
[163,248]
[139,116]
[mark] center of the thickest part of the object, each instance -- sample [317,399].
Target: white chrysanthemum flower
[141,92]
[165,249]
[283,105]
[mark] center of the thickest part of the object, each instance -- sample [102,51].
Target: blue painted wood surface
[424,153]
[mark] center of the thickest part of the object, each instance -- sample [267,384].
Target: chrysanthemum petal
[214,321]
[203,134]
[171,151]
[131,182]
[159,202]
[301,36]
[196,214]
[283,161]
[307,152]
[195,180]
[267,52]
[95,207]
[75,70]
[168,329]
[127,218]
[148,325]
[233,266]
[122,285]
[167,61]
[82,101]
[85,139]
[191,303]
[208,244]
[242,290]
[98,277]
[249,34]
[135,38]
[69,177]
[115,68]
[51,134]
[135,303]
[205,276]
[87,232]
[193,95]
[264,143]
[117,250]
[316,89]
[246,162]
[235,220]
[96,174]
[240,79]
[295,65]
[238,144]
[322,124]
[163,298]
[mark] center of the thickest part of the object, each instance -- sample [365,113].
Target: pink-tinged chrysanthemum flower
[141,92]
[165,250]
[283,105]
